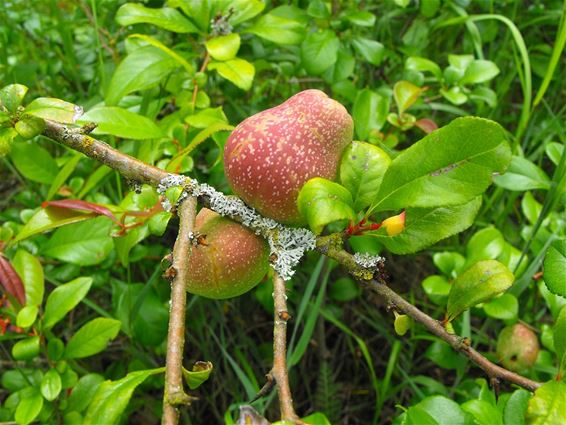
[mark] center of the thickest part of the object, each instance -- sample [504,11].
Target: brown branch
[174,395]
[279,370]
[330,246]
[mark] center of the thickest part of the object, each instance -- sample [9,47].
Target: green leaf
[546,407]
[505,307]
[361,18]
[443,410]
[84,391]
[523,175]
[156,43]
[165,17]
[54,109]
[278,29]
[483,412]
[112,397]
[92,338]
[29,126]
[479,71]
[29,407]
[460,62]
[122,123]
[198,375]
[402,324]
[486,244]
[405,95]
[224,47]
[322,202]
[372,51]
[84,244]
[460,160]
[46,219]
[30,271]
[370,112]
[361,171]
[516,407]
[26,316]
[316,418]
[481,282]
[207,117]
[559,337]
[26,349]
[238,71]
[12,95]
[344,289]
[555,268]
[426,226]
[244,10]
[554,151]
[51,385]
[454,95]
[437,288]
[125,243]
[319,51]
[63,299]
[449,263]
[34,162]
[142,69]
[485,95]
[415,63]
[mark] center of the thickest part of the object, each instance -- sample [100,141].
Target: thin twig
[174,395]
[331,246]
[279,370]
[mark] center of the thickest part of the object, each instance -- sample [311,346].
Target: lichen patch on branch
[287,245]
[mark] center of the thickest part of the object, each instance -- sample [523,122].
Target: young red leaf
[11,282]
[77,204]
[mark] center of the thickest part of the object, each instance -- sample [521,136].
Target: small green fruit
[229,260]
[517,347]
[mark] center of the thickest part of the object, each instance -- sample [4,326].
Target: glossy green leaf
[63,299]
[416,415]
[319,51]
[29,126]
[481,282]
[449,263]
[546,407]
[361,18]
[554,151]
[505,307]
[92,338]
[29,407]
[11,96]
[54,109]
[530,207]
[426,226]
[51,385]
[402,324]
[26,349]
[144,68]
[454,95]
[437,288]
[164,17]
[479,71]
[559,337]
[278,29]
[30,271]
[112,397]
[483,412]
[244,10]
[240,72]
[84,391]
[26,316]
[316,418]
[49,218]
[370,112]
[416,63]
[372,51]
[522,175]
[322,202]
[460,160]
[198,375]
[156,43]
[84,244]
[555,268]
[63,175]
[485,95]
[207,117]
[34,162]
[443,410]
[361,171]
[199,11]
[516,407]
[224,47]
[405,95]
[486,244]
[122,123]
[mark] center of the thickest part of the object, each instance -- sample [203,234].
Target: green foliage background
[167,85]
